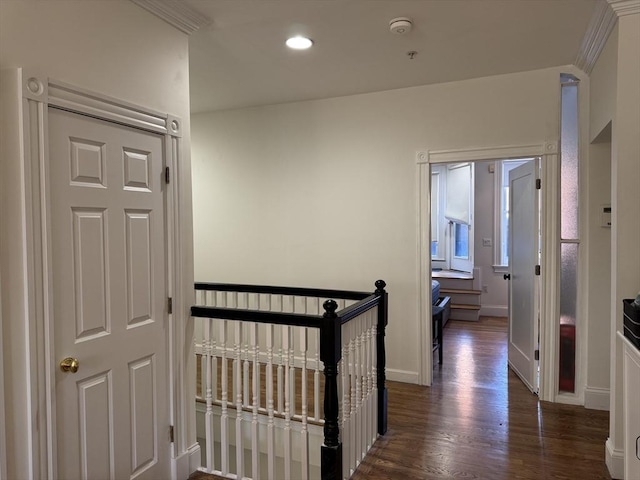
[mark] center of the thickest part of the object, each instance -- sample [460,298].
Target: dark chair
[440,315]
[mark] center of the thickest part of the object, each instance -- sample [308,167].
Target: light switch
[487,242]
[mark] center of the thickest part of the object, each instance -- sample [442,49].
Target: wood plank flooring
[478,421]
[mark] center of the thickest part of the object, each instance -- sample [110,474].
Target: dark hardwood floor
[479,421]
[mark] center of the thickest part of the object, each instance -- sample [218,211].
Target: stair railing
[270,344]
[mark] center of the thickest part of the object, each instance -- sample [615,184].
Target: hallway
[478,421]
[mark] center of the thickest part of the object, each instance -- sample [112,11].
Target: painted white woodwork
[345,394]
[600,26]
[304,434]
[523,288]
[286,346]
[210,388]
[224,395]
[270,405]
[631,410]
[549,252]
[316,379]
[110,291]
[237,385]
[255,402]
[178,14]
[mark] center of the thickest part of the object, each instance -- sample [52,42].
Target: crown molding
[176,13]
[602,22]
[625,7]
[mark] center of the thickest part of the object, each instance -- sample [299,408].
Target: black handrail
[330,347]
[258,316]
[279,290]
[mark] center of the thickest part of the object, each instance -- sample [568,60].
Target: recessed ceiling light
[299,43]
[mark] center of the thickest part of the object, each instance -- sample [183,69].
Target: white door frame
[38,93]
[550,251]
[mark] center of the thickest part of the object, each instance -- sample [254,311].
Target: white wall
[599,280]
[495,300]
[112,47]
[323,193]
[625,203]
[602,97]
[602,102]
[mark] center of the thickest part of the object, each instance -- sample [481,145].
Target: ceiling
[240,59]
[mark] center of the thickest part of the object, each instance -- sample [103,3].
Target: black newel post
[383,310]
[330,354]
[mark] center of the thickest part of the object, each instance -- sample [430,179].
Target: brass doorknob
[69,364]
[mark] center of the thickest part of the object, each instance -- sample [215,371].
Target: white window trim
[498,266]
[441,260]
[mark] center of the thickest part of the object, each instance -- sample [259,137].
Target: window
[461,240]
[569,232]
[502,169]
[452,216]
[438,223]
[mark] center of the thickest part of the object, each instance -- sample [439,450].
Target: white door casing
[523,284]
[549,252]
[38,93]
[110,298]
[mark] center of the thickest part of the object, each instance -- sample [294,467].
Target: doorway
[547,153]
[74,293]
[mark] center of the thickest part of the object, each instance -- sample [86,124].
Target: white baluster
[353,402]
[255,447]
[208,416]
[368,411]
[346,407]
[316,379]
[286,343]
[359,376]
[245,372]
[374,386]
[238,383]
[280,407]
[224,415]
[292,376]
[304,436]
[271,451]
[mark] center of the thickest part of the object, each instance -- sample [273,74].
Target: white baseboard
[404,376]
[494,311]
[614,458]
[596,398]
[569,399]
[186,463]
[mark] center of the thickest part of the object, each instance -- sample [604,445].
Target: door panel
[523,257]
[110,290]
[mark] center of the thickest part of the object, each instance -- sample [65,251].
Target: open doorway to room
[488,213]
[469,235]
[481,293]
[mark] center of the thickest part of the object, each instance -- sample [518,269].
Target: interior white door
[523,258]
[110,290]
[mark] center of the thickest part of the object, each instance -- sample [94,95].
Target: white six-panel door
[110,293]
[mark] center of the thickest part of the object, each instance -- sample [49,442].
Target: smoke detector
[400,25]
